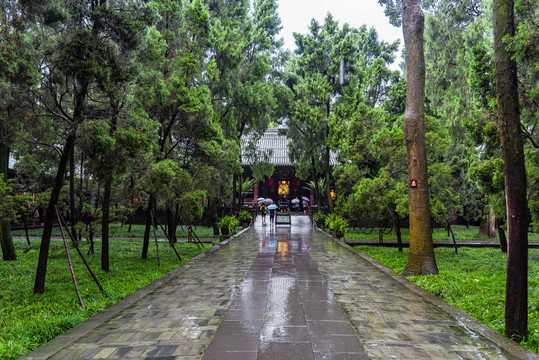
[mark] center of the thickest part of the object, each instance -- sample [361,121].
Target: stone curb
[467,321]
[61,341]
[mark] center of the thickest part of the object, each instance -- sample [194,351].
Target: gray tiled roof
[278,144]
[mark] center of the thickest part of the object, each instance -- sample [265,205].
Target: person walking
[305,206]
[263,211]
[295,203]
[272,216]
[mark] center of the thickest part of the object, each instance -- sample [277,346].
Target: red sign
[413,183]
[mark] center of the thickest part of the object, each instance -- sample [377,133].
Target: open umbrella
[306,198]
[272,207]
[295,201]
[268,201]
[260,199]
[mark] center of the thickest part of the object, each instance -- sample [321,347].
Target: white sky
[296,17]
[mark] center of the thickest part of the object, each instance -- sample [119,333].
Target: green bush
[339,224]
[228,222]
[244,216]
[329,219]
[319,217]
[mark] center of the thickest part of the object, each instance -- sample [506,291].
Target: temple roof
[278,143]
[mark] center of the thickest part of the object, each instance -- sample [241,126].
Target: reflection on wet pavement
[281,292]
[306,297]
[284,309]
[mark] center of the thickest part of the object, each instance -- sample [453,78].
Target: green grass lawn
[28,320]
[117,230]
[462,233]
[472,280]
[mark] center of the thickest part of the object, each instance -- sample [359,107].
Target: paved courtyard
[281,292]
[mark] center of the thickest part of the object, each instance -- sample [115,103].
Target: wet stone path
[279,292]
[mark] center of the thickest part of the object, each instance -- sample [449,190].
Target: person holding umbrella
[272,209]
[305,205]
[295,204]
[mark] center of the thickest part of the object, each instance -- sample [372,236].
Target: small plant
[244,217]
[338,224]
[329,220]
[319,218]
[228,224]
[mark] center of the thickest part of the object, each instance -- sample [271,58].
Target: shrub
[337,223]
[330,219]
[229,223]
[319,218]
[244,216]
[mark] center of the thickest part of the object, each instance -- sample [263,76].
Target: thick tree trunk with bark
[516,304]
[8,249]
[421,260]
[41,272]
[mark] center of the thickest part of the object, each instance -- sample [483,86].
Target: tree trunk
[72,207]
[516,304]
[397,227]
[502,238]
[172,225]
[234,192]
[421,260]
[81,191]
[213,214]
[105,221]
[91,250]
[41,272]
[240,194]
[8,249]
[328,164]
[450,231]
[146,242]
[26,233]
[328,189]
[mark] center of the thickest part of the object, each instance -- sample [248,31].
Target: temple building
[283,184]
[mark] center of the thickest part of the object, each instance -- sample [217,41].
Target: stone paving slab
[282,292]
[173,318]
[394,318]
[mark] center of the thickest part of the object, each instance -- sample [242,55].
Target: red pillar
[255,194]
